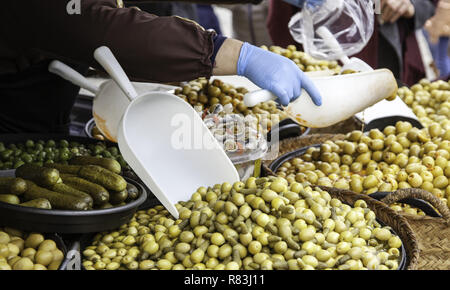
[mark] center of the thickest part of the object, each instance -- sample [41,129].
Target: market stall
[357,182]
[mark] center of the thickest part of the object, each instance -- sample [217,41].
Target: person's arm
[392,10]
[150,48]
[266,69]
[417,10]
[424,9]
[439,24]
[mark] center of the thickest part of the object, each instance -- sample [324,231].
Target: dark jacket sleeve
[149,48]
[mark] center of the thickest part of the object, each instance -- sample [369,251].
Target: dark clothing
[392,46]
[35,100]
[150,48]
[207,18]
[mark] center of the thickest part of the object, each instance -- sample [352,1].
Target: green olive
[440,182]
[23,264]
[34,240]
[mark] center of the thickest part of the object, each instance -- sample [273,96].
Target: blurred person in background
[249,22]
[393,44]
[166,8]
[207,18]
[438,29]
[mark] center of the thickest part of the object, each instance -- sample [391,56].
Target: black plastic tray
[382,123]
[287,129]
[274,165]
[70,222]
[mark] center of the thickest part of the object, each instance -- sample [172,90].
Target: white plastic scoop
[342,97]
[109,102]
[353,63]
[166,142]
[381,109]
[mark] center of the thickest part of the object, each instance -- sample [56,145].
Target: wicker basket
[433,233]
[388,216]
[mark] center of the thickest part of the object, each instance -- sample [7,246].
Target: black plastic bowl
[23,137]
[70,222]
[288,156]
[382,123]
[288,129]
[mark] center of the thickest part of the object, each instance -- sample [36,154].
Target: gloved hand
[275,73]
[300,3]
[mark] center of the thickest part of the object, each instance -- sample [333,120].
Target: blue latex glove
[300,3]
[275,73]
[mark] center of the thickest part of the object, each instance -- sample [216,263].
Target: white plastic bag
[350,21]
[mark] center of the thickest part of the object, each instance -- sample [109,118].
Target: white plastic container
[342,97]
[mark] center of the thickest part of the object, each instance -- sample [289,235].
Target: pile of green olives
[259,224]
[202,95]
[430,101]
[21,251]
[40,152]
[304,61]
[400,156]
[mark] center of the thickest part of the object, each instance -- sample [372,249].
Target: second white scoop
[342,97]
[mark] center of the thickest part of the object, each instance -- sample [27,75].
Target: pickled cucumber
[38,203]
[11,185]
[63,168]
[106,163]
[66,189]
[98,193]
[57,200]
[117,197]
[9,198]
[104,177]
[39,175]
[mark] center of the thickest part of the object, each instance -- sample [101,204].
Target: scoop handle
[71,75]
[254,98]
[332,43]
[108,61]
